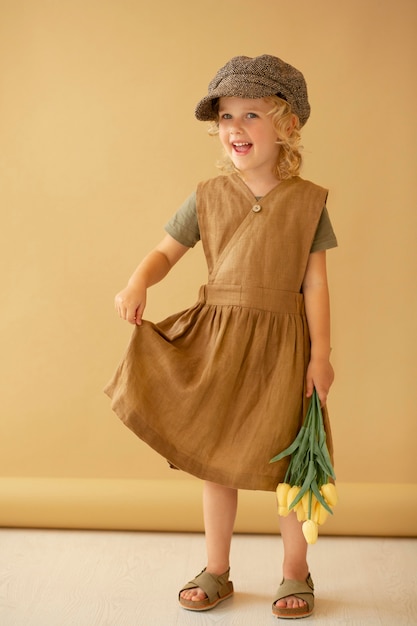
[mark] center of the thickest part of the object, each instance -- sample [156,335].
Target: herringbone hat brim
[258,77]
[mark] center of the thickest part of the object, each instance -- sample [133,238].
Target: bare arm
[316,297]
[131,301]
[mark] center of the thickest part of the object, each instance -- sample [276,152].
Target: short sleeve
[183,225]
[324,237]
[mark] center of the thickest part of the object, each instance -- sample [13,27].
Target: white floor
[83,578]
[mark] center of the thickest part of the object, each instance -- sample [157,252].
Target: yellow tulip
[301,516]
[282,492]
[310,531]
[320,514]
[329,493]
[283,511]
[292,494]
[305,501]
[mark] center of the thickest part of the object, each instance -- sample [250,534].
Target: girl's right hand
[130,304]
[131,301]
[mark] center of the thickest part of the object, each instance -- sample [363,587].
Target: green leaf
[311,474]
[290,448]
[308,450]
[316,491]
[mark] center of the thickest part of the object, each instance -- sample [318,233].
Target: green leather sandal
[303,590]
[216,588]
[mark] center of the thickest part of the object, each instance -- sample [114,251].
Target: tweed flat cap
[246,77]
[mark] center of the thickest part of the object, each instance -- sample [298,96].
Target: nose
[235,129]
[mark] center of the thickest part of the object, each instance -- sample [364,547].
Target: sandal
[216,588]
[303,590]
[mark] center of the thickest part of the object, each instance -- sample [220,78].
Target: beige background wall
[99,147]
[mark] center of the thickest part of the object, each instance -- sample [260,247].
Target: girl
[222,387]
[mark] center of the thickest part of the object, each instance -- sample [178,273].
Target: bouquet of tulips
[307,489]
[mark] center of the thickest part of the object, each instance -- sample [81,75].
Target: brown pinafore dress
[219,388]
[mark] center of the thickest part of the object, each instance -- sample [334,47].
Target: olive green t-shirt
[184,228]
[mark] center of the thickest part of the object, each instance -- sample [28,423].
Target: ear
[292,124]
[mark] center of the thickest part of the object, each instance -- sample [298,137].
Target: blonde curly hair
[289,158]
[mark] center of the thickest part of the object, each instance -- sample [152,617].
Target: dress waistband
[274,300]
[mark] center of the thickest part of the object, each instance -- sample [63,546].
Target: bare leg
[220,505]
[295,565]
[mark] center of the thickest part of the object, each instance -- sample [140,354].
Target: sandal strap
[211,584]
[303,590]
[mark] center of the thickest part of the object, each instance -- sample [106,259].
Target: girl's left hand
[320,375]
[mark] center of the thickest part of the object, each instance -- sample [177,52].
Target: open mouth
[241,147]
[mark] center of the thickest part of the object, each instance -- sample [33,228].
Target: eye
[225,116]
[251,116]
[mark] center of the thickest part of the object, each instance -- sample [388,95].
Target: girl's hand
[320,375]
[130,303]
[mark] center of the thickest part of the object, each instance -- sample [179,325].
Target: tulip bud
[310,531]
[329,494]
[301,516]
[282,492]
[283,511]
[305,500]
[292,494]
[314,503]
[320,514]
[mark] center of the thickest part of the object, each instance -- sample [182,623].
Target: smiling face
[248,136]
